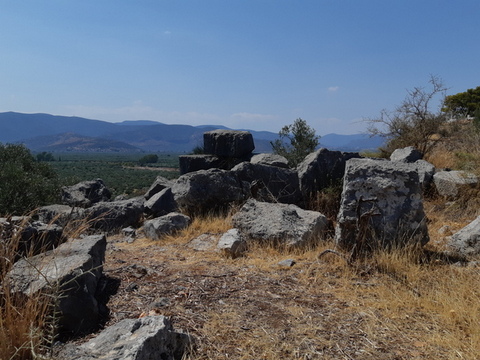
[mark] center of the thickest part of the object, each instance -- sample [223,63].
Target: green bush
[148,159]
[25,183]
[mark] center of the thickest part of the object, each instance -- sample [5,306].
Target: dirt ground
[253,308]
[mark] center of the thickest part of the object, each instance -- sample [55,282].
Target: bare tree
[413,122]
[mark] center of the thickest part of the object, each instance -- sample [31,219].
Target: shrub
[24,183]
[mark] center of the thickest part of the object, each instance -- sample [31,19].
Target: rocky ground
[254,308]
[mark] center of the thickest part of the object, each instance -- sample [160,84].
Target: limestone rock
[232,243]
[408,155]
[158,185]
[466,242]
[147,338]
[228,143]
[72,271]
[86,193]
[115,215]
[282,224]
[270,183]
[160,204]
[381,205]
[208,190]
[270,159]
[451,183]
[158,227]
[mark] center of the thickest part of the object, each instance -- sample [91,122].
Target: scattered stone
[191,163]
[158,185]
[85,193]
[204,242]
[381,206]
[322,169]
[156,228]
[71,272]
[114,215]
[408,155]
[160,204]
[208,190]
[59,214]
[270,183]
[281,224]
[450,183]
[466,242]
[147,338]
[38,237]
[287,263]
[270,159]
[232,243]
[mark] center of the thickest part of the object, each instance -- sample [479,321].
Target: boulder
[160,204]
[85,193]
[466,242]
[115,215]
[71,273]
[208,190]
[38,237]
[285,225]
[451,183]
[322,169]
[228,143]
[407,155]
[426,171]
[270,159]
[232,243]
[269,183]
[381,206]
[158,185]
[59,214]
[191,163]
[164,225]
[147,338]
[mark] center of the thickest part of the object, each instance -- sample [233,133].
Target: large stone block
[228,143]
[381,205]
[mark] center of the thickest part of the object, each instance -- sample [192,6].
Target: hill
[44,131]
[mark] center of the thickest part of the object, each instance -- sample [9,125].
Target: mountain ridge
[42,131]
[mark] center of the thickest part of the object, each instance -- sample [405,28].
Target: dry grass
[398,305]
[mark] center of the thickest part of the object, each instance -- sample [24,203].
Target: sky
[244,64]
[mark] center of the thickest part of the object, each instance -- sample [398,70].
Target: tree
[148,159]
[45,156]
[463,104]
[413,122]
[296,141]
[25,183]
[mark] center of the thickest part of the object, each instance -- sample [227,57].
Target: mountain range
[53,133]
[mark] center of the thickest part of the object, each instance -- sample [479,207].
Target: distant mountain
[46,132]
[355,143]
[70,142]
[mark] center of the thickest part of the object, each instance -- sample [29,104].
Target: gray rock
[228,143]
[191,163]
[158,185]
[38,237]
[381,206]
[466,242]
[115,215]
[287,263]
[72,272]
[147,338]
[163,225]
[269,183]
[282,224]
[59,214]
[204,242]
[208,190]
[451,183]
[322,169]
[426,171]
[270,159]
[160,204]
[85,193]
[232,243]
[408,155]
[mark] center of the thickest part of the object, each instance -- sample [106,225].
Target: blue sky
[252,64]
